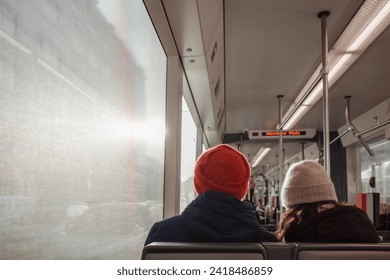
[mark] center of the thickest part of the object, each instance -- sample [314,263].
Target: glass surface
[82,123]
[188,156]
[381,150]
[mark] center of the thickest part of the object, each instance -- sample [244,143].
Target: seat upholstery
[278,250]
[203,251]
[266,250]
[341,251]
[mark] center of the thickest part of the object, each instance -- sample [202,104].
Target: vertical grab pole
[325,100]
[280,163]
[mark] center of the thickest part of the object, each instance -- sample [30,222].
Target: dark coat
[212,217]
[340,224]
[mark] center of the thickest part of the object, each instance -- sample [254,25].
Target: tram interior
[105,106]
[261,58]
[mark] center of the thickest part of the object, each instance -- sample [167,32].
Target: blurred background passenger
[269,213]
[217,214]
[313,213]
[384,216]
[260,211]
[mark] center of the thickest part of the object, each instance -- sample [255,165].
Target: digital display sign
[290,134]
[284,133]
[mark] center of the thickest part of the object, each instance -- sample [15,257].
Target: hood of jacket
[339,224]
[222,218]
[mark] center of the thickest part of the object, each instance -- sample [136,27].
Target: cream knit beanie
[306,182]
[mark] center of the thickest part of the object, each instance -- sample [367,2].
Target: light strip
[259,156]
[370,28]
[11,40]
[351,54]
[315,94]
[301,111]
[337,67]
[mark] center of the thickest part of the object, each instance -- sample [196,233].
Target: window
[188,157]
[381,150]
[82,121]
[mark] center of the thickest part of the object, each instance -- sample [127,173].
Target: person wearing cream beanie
[217,214]
[307,182]
[313,213]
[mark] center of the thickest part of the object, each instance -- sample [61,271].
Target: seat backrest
[203,251]
[279,250]
[341,251]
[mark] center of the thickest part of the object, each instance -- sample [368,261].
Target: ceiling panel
[272,48]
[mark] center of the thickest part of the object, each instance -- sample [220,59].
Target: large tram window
[188,151]
[82,121]
[381,150]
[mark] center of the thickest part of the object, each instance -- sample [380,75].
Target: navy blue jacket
[212,217]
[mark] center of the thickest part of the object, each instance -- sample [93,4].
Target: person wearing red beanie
[222,169]
[217,214]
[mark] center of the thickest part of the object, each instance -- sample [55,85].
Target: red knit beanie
[222,169]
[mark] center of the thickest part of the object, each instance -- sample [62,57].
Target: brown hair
[299,212]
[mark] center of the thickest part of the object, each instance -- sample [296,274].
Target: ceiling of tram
[271,48]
